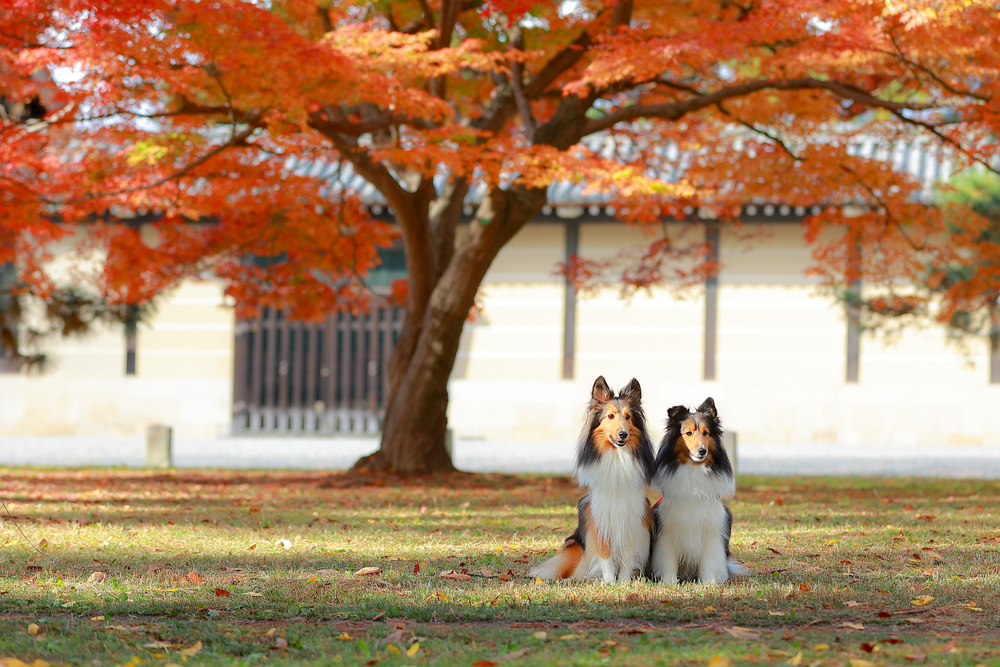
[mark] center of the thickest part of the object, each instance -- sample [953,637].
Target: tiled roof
[929,163]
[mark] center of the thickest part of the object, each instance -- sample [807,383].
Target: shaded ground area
[312,567]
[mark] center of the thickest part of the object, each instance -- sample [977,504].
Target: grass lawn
[250,568]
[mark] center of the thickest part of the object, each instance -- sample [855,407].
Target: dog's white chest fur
[617,485]
[692,523]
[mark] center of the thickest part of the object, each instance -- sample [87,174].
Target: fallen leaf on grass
[368,571]
[412,651]
[922,600]
[485,663]
[280,642]
[160,644]
[221,593]
[34,629]
[718,661]
[15,662]
[195,578]
[395,637]
[741,633]
[513,655]
[452,574]
[795,661]
[853,626]
[192,650]
[857,662]
[96,577]
[284,543]
[915,657]
[775,613]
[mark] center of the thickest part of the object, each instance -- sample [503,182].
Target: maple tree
[167,127]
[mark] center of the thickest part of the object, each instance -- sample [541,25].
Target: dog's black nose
[702,451]
[622,435]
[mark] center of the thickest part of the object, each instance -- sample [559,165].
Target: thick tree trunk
[415,425]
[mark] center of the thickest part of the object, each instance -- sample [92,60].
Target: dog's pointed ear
[601,393]
[708,407]
[632,392]
[677,413]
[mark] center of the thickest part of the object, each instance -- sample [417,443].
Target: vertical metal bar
[711,301]
[344,385]
[284,364]
[569,306]
[270,342]
[312,375]
[331,333]
[372,365]
[296,377]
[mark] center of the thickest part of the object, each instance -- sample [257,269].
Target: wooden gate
[313,377]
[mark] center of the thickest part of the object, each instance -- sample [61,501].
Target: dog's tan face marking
[617,427]
[695,439]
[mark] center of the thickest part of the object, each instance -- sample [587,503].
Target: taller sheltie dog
[614,463]
[695,477]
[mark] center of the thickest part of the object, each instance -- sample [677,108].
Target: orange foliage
[169,127]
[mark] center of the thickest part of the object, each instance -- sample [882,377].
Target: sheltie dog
[614,463]
[695,477]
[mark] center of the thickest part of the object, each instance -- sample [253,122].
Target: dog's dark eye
[628,417]
[689,433]
[611,416]
[704,432]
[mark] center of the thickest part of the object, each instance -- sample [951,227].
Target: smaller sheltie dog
[614,463]
[695,477]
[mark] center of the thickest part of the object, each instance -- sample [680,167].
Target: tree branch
[236,139]
[621,15]
[517,82]
[676,110]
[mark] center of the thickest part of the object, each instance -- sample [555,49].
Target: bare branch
[945,139]
[237,139]
[622,14]
[517,82]
[559,63]
[676,110]
[898,54]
